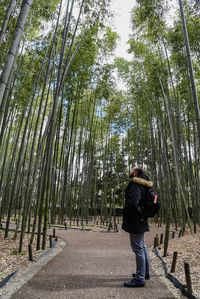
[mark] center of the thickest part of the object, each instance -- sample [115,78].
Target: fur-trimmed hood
[143,182]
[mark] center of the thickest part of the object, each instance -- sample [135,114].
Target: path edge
[24,275]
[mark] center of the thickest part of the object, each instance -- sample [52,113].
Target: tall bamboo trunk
[191,71]
[14,45]
[6,19]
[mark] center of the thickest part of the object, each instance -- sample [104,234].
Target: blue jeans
[142,256]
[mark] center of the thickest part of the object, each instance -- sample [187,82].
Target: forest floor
[187,246]
[188,250]
[10,259]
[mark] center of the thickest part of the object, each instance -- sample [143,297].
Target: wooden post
[161,239]
[188,277]
[54,232]
[50,241]
[173,267]
[30,251]
[155,242]
[173,235]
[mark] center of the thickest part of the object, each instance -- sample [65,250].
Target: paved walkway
[92,265]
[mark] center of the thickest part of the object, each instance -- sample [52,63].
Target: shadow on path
[71,282]
[92,265]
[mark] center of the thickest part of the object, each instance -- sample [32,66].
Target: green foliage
[108,42]
[148,18]
[44,10]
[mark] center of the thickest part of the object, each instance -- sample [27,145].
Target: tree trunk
[14,46]
[6,19]
[191,71]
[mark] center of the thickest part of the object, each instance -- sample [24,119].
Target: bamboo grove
[70,133]
[162,84]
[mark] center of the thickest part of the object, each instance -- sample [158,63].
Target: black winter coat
[133,222]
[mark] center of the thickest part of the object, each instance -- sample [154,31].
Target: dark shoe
[134,284]
[147,276]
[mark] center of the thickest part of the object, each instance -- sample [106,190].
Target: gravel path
[92,265]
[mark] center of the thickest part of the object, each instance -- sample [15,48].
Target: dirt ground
[188,250]
[10,259]
[79,272]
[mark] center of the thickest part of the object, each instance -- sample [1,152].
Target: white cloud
[122,24]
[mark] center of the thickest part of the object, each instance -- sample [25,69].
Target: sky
[122,24]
